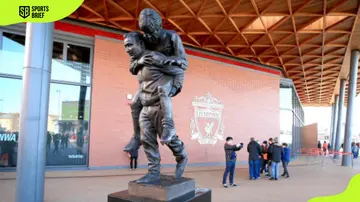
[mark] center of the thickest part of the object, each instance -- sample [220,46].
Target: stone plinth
[167,189]
[201,195]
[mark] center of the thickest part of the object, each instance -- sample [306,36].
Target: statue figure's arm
[134,67]
[179,57]
[168,69]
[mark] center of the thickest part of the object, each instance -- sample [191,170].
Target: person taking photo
[230,156]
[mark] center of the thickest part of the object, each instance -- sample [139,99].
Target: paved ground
[305,182]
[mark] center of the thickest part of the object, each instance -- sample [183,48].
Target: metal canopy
[309,39]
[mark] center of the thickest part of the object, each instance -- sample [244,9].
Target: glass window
[69,105]
[58,49]
[13,42]
[76,66]
[286,98]
[12,54]
[10,102]
[286,126]
[68,125]
[78,54]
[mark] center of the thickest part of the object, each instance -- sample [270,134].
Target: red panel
[76,29]
[86,31]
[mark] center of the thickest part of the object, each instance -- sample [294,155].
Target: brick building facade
[249,93]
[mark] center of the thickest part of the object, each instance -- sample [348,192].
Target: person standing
[276,152]
[329,148]
[134,153]
[254,151]
[354,150]
[230,156]
[264,157]
[325,148]
[269,155]
[285,159]
[319,147]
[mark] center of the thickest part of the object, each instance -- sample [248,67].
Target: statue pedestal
[168,189]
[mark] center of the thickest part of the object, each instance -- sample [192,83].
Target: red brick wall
[251,101]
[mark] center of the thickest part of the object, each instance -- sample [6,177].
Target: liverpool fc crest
[207,126]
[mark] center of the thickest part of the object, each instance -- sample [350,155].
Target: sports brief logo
[33,11]
[24,11]
[207,126]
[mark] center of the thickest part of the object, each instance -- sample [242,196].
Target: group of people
[266,157]
[324,148]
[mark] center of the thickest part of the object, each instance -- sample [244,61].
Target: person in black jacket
[269,156]
[264,158]
[276,152]
[133,155]
[319,147]
[230,156]
[254,159]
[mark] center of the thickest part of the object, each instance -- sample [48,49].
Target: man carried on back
[155,81]
[170,45]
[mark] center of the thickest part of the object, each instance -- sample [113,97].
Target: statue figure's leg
[178,149]
[168,124]
[136,107]
[175,145]
[150,144]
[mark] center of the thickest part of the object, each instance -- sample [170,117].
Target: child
[285,158]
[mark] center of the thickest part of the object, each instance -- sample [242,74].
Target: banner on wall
[207,125]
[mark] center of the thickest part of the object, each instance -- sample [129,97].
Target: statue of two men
[158,60]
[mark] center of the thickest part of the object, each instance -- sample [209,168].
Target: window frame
[65,38]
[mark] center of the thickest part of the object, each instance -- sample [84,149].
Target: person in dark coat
[276,152]
[319,147]
[254,159]
[133,155]
[230,156]
[264,157]
[269,156]
[329,148]
[285,159]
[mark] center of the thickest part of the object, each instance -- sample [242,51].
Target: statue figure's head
[151,24]
[134,44]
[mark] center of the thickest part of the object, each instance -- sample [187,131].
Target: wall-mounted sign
[207,126]
[129,96]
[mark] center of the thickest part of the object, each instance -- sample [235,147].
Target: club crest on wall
[207,125]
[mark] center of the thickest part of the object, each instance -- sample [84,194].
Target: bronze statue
[159,61]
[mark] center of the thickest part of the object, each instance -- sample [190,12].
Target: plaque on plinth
[167,189]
